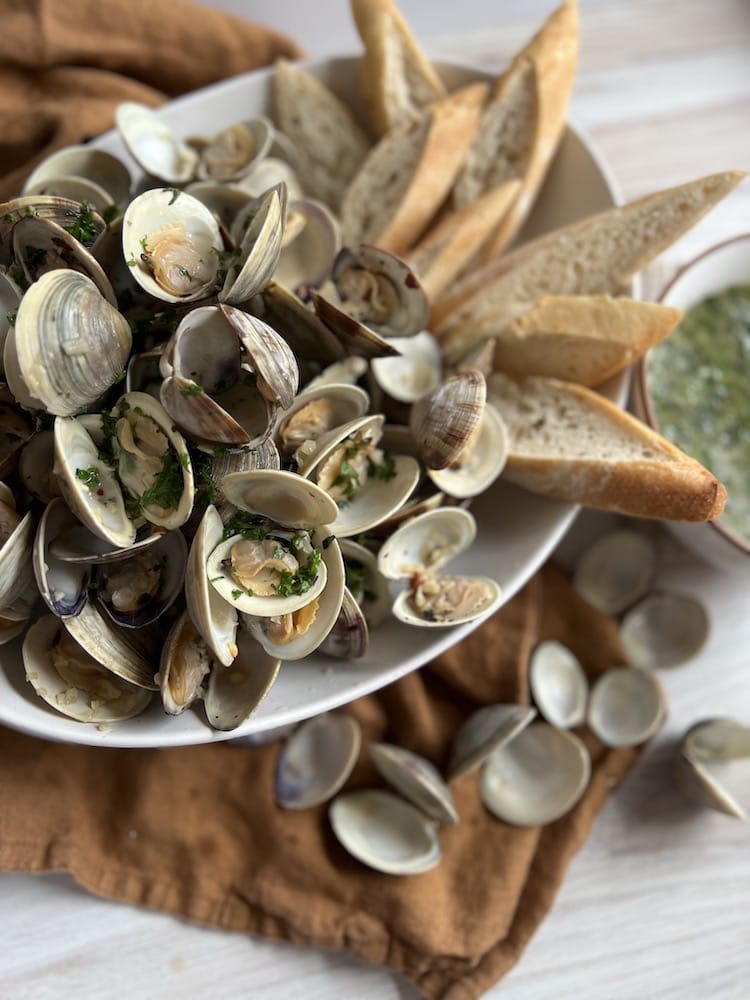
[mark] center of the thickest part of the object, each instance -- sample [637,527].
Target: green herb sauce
[699,380]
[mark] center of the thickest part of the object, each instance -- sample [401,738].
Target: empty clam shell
[385,832]
[709,749]
[558,684]
[235,692]
[616,570]
[626,707]
[536,777]
[416,371]
[483,732]
[416,778]
[664,630]
[63,585]
[316,760]
[152,143]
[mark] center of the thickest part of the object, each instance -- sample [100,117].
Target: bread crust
[596,255]
[542,76]
[452,123]
[396,80]
[641,474]
[581,338]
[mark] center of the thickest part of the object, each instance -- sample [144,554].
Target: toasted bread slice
[408,174]
[456,239]
[581,338]
[522,124]
[396,79]
[596,256]
[329,143]
[569,443]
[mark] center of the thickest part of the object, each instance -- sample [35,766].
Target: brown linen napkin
[65,66]
[195,831]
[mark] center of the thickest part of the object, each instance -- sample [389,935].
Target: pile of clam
[228,438]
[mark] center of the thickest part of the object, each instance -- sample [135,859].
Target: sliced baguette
[522,124]
[569,443]
[596,256]
[329,143]
[459,235]
[581,338]
[408,174]
[396,80]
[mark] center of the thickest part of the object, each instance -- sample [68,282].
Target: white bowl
[716,269]
[517,530]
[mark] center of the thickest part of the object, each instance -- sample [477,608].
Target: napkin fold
[195,831]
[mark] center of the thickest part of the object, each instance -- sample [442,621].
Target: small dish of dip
[694,388]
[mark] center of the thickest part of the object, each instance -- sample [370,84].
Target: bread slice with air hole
[396,80]
[456,239]
[407,175]
[569,443]
[523,122]
[597,255]
[330,144]
[581,338]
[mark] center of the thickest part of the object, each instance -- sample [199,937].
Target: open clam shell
[63,585]
[215,619]
[709,750]
[299,633]
[36,462]
[416,778]
[108,173]
[106,644]
[415,372]
[153,144]
[380,290]
[616,570]
[258,231]
[18,591]
[184,664]
[536,777]
[172,245]
[350,635]
[664,630]
[367,485]
[87,694]
[153,461]
[385,832]
[626,707]
[317,411]
[89,485]
[137,589]
[235,692]
[10,296]
[308,336]
[558,684]
[483,732]
[354,337]
[316,760]
[310,243]
[232,153]
[481,462]
[427,542]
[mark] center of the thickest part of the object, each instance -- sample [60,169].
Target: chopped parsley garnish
[301,581]
[248,525]
[384,470]
[204,474]
[35,257]
[90,477]
[348,476]
[85,228]
[110,213]
[175,194]
[238,592]
[355,578]
[11,318]
[191,390]
[299,541]
[183,271]
[166,489]
[131,262]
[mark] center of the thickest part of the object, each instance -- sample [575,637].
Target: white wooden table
[655,905]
